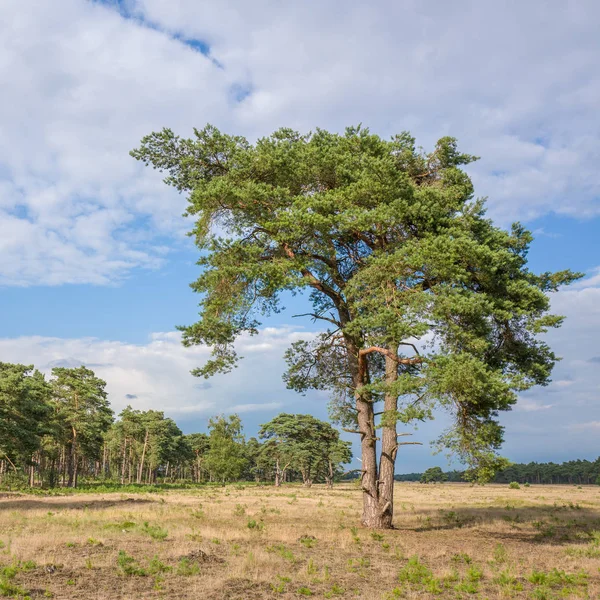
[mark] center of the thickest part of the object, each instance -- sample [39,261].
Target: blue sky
[94,261]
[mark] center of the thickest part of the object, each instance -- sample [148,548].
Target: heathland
[245,541]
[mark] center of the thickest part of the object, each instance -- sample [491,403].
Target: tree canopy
[305,443]
[424,301]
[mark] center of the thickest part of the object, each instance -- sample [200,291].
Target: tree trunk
[277,474]
[32,472]
[123,461]
[141,469]
[329,477]
[389,447]
[377,483]
[365,418]
[73,462]
[104,459]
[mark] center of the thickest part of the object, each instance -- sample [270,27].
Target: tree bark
[389,447]
[377,481]
[368,441]
[141,469]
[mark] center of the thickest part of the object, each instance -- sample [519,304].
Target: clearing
[248,542]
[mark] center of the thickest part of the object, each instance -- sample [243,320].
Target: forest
[581,472]
[59,431]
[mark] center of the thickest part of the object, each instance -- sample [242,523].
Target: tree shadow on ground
[20,503]
[559,524]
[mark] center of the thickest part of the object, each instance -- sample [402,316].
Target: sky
[94,258]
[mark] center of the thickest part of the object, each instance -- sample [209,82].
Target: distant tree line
[582,472]
[55,431]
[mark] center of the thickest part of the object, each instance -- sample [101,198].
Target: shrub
[128,565]
[513,485]
[154,531]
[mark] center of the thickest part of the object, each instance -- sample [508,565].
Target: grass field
[450,541]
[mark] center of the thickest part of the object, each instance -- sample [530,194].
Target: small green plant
[461,557]
[474,574]
[378,537]
[127,565]
[278,587]
[94,542]
[308,541]
[156,566]
[240,510]
[415,572]
[154,531]
[187,567]
[513,485]
[123,526]
[282,551]
[335,590]
[359,565]
[255,525]
[7,587]
[304,591]
[500,554]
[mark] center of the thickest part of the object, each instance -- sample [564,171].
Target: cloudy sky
[94,261]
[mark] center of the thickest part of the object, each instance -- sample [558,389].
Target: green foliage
[433,475]
[500,554]
[82,414]
[336,590]
[393,247]
[415,572]
[282,551]
[514,485]
[127,565]
[154,531]
[156,566]
[24,411]
[306,444]
[256,525]
[304,591]
[225,458]
[308,541]
[187,567]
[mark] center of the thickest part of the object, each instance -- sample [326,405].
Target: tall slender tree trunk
[368,439]
[277,474]
[141,469]
[32,471]
[73,462]
[104,459]
[123,461]
[389,447]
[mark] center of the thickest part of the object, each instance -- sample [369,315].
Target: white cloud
[591,425]
[157,374]
[519,87]
[529,406]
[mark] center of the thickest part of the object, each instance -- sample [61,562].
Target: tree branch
[390,354]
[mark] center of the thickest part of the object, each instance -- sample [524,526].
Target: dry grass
[451,541]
